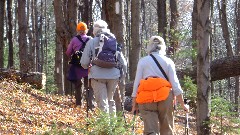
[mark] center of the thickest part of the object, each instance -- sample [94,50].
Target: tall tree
[85,9]
[237,91]
[10,35]
[134,53]
[2,12]
[173,27]
[162,18]
[203,64]
[224,25]
[114,13]
[60,42]
[194,32]
[70,12]
[22,40]
[65,17]
[30,33]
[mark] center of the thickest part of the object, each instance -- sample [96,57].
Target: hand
[134,106]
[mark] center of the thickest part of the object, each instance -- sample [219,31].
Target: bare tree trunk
[70,19]
[41,57]
[135,47]
[194,32]
[30,35]
[162,18]
[173,27]
[223,20]
[65,17]
[203,64]
[46,28]
[10,35]
[58,71]
[37,35]
[34,39]
[86,14]
[237,87]
[2,12]
[22,23]
[115,18]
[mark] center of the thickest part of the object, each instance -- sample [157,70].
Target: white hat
[99,26]
[156,44]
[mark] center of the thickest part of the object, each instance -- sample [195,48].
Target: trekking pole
[87,97]
[186,118]
[133,119]
[133,127]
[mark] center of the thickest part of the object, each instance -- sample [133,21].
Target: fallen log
[35,79]
[225,68]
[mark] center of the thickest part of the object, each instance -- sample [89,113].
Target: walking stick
[186,118]
[87,96]
[134,117]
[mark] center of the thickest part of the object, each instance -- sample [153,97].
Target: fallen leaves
[27,111]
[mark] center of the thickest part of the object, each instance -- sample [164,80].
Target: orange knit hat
[81,26]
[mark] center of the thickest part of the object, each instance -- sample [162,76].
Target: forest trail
[24,110]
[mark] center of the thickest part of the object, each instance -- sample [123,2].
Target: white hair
[100,26]
[156,44]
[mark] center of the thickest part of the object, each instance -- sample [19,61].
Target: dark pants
[80,88]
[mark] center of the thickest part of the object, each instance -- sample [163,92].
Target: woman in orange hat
[76,71]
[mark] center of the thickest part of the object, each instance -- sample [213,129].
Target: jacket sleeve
[87,55]
[138,77]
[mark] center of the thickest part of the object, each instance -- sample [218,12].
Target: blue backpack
[106,53]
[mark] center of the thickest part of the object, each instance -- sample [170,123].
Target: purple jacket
[76,72]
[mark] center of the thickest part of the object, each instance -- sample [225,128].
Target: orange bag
[153,90]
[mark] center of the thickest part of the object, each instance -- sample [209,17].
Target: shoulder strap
[159,66]
[80,39]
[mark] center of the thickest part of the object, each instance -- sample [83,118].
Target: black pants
[79,92]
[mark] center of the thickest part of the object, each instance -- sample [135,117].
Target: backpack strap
[98,49]
[83,43]
[159,66]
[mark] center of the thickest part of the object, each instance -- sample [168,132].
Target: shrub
[102,123]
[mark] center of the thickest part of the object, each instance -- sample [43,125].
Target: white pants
[104,90]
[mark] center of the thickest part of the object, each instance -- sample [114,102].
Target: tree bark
[237,90]
[203,64]
[224,25]
[194,33]
[225,68]
[2,12]
[22,24]
[71,22]
[60,42]
[10,35]
[162,18]
[135,48]
[173,28]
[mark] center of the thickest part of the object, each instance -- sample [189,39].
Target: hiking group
[97,66]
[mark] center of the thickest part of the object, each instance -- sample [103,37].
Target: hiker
[154,88]
[104,74]
[76,71]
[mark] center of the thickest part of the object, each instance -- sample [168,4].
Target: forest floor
[24,110]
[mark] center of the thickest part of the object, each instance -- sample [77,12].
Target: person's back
[104,80]
[155,85]
[75,71]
